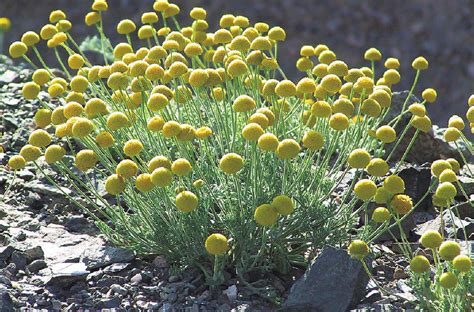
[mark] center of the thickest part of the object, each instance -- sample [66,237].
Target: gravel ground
[441,30]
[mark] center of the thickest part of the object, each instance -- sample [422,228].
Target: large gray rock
[334,282]
[102,256]
[6,302]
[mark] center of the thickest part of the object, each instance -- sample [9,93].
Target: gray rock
[109,303]
[77,224]
[19,259]
[65,274]
[6,252]
[117,289]
[6,302]
[231,292]
[333,282]
[36,266]
[160,262]
[102,256]
[3,226]
[116,267]
[34,253]
[166,307]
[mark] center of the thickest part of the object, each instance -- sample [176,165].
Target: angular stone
[102,256]
[36,266]
[6,252]
[333,282]
[65,274]
[6,302]
[34,253]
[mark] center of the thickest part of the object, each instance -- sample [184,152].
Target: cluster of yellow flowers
[202,118]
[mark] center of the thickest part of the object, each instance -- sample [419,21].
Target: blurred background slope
[440,30]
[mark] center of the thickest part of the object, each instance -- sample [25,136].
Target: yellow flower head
[216,244]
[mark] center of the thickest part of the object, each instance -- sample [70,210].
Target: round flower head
[162,177]
[41,77]
[30,152]
[260,119]
[216,244]
[231,163]
[30,90]
[386,134]
[127,168]
[43,117]
[365,189]
[114,184]
[448,175]
[339,122]
[380,215]
[448,280]
[358,249]
[252,132]
[392,63]
[104,139]
[30,38]
[186,201]
[372,54]
[82,128]
[266,215]
[285,88]
[181,167]
[429,95]
[268,142]
[5,24]
[391,76]
[54,153]
[243,103]
[75,61]
[452,134]
[85,160]
[402,204]
[117,120]
[394,184]
[421,123]
[420,63]
[16,162]
[455,166]
[331,83]
[431,239]
[288,149]
[358,158]
[456,122]
[17,49]
[321,109]
[438,166]
[171,129]
[462,263]
[470,114]
[313,140]
[132,148]
[39,138]
[144,183]
[449,250]
[126,27]
[283,205]
[277,34]
[419,264]
[446,190]
[382,196]
[377,167]
[417,109]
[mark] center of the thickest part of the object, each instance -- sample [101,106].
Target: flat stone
[333,282]
[34,253]
[36,266]
[6,252]
[19,259]
[102,256]
[65,274]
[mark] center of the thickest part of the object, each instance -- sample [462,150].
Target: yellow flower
[394,184]
[231,163]
[431,239]
[30,38]
[85,160]
[429,95]
[288,149]
[402,204]
[266,215]
[30,152]
[285,88]
[277,34]
[144,183]
[446,190]
[386,134]
[419,264]
[127,168]
[17,162]
[321,109]
[462,263]
[5,24]
[216,244]
[339,122]
[359,158]
[377,167]
[43,117]
[421,123]
[358,249]
[252,131]
[75,61]
[162,177]
[452,134]
[41,77]
[114,184]
[186,201]
[17,49]
[104,139]
[313,140]
[449,250]
[448,280]
[381,214]
[30,90]
[117,120]
[420,63]
[365,189]
[438,166]
[132,148]
[39,138]
[392,63]
[82,127]
[331,83]
[54,153]
[181,167]
[372,54]
[283,205]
